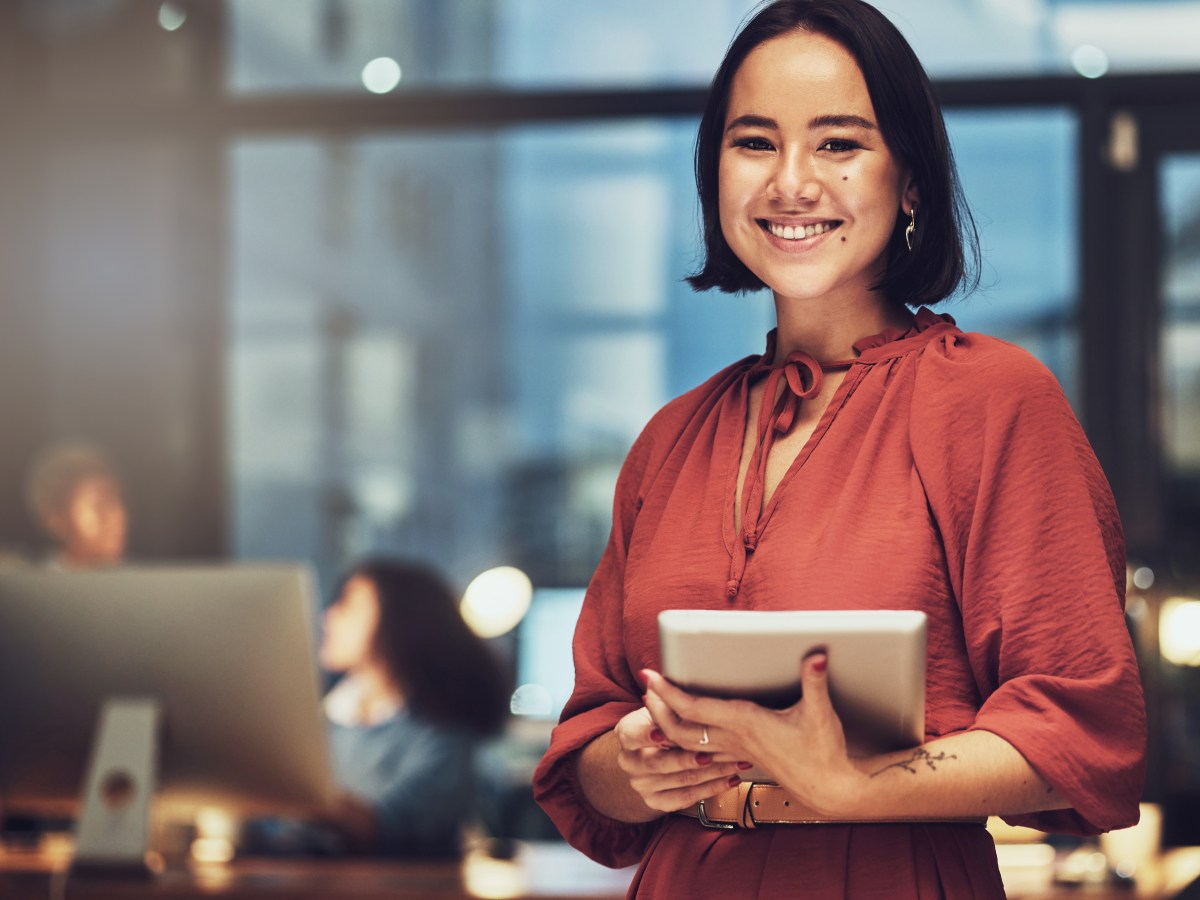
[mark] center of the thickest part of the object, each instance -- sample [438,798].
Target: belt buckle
[709,823]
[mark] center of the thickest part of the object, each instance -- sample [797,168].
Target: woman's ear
[911,197]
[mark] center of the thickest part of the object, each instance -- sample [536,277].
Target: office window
[1180,198]
[1019,173]
[443,345]
[324,45]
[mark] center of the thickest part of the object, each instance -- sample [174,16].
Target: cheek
[115,520]
[363,634]
[736,186]
[356,633]
[87,519]
[734,195]
[339,646]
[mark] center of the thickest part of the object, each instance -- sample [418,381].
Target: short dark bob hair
[910,121]
[448,675]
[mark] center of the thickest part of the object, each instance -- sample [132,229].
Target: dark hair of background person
[447,673]
[910,120]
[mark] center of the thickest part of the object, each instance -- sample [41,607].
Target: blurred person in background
[419,694]
[75,497]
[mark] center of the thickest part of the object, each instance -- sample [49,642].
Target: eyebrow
[827,121]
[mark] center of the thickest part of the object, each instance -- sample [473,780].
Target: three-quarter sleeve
[605,691]
[1035,554]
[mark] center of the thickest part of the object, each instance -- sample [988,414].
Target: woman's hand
[355,820]
[803,746]
[666,776]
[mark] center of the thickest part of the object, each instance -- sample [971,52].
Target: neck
[376,685]
[83,558]
[827,328]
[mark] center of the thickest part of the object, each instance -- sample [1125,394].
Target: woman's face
[350,626]
[94,526]
[809,192]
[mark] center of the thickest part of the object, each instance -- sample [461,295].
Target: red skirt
[823,862]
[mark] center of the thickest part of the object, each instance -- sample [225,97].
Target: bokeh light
[1179,631]
[381,75]
[496,601]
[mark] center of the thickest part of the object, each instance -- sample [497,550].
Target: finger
[675,799]
[636,730]
[688,706]
[661,740]
[814,682]
[679,731]
[644,763]
[690,775]
[678,699]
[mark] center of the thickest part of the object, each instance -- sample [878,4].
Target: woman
[871,458]
[75,497]
[419,693]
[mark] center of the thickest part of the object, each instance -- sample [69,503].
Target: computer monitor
[545,667]
[225,652]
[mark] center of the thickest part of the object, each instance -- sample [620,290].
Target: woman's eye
[835,145]
[753,143]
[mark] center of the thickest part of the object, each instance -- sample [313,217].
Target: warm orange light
[212,850]
[492,879]
[1179,631]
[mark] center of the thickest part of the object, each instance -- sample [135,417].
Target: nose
[795,179]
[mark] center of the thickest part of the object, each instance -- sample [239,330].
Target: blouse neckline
[343,706]
[801,376]
[893,341]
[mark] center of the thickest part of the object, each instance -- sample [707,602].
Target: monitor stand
[113,834]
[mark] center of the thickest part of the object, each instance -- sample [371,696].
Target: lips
[798,233]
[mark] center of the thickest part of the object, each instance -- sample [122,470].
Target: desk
[538,872]
[1164,878]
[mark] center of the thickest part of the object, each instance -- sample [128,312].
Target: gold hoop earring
[911,229]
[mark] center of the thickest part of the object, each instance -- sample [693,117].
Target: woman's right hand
[665,776]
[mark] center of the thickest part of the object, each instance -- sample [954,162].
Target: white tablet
[876,664]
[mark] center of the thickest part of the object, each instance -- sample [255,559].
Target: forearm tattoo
[920,755]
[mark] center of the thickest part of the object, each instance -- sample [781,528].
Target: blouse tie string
[775,418]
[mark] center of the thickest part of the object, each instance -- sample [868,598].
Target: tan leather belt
[752,804]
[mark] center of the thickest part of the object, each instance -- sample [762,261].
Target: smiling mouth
[797,232]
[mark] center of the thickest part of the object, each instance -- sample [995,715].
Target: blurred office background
[328,277]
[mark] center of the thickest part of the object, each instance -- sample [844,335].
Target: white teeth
[799,232]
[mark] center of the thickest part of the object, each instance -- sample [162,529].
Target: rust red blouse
[949,475]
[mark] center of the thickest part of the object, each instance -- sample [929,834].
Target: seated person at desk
[419,693]
[74,495]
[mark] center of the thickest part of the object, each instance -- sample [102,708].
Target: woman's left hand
[803,746]
[355,819]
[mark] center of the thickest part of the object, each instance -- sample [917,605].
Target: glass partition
[1019,173]
[326,45]
[444,344]
[1180,199]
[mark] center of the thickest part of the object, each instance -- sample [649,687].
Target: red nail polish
[657,736]
[820,664]
[734,780]
[703,759]
[745,765]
